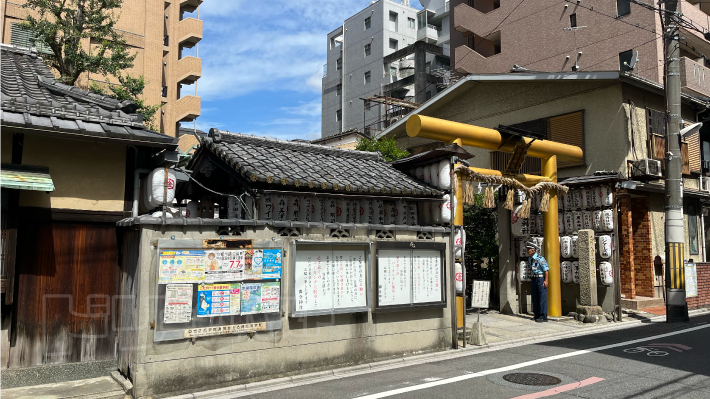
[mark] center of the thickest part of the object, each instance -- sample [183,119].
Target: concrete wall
[86,175]
[304,344]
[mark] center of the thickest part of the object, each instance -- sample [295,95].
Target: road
[655,360]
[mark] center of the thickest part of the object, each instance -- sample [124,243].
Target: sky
[262,64]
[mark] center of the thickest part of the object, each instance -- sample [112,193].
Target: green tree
[62,25]
[130,89]
[386,146]
[481,226]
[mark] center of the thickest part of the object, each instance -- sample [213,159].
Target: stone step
[640,303]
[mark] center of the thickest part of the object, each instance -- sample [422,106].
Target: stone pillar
[506,265]
[587,268]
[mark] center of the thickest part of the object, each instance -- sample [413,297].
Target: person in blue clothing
[538,268]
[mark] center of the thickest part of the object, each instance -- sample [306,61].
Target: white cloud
[311,108]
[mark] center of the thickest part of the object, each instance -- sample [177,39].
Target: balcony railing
[429,34]
[189,32]
[694,77]
[189,69]
[188,108]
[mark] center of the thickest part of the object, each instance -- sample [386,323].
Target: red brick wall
[643,254]
[703,298]
[626,242]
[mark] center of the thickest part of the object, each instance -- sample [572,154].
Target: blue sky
[262,64]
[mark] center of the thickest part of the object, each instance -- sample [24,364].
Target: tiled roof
[287,164]
[33,98]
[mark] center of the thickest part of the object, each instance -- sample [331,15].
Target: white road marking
[524,364]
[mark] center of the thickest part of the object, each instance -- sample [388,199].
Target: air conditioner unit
[704,183]
[647,167]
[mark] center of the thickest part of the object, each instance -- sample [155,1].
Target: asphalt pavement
[654,360]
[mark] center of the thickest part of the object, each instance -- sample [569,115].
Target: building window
[368,23]
[336,41]
[393,21]
[625,60]
[693,230]
[338,115]
[367,77]
[573,20]
[338,64]
[623,7]
[410,23]
[367,50]
[339,90]
[393,44]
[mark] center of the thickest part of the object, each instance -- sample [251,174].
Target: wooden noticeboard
[329,278]
[410,275]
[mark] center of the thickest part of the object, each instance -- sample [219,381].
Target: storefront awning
[24,177]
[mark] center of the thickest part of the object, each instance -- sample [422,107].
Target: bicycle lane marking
[524,364]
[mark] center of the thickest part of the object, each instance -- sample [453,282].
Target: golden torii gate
[548,151]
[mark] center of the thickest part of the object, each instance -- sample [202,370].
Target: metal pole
[676,307]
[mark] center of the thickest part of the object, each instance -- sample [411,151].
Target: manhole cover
[531,379]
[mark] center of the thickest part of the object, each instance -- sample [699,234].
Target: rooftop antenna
[634,60]
[574,30]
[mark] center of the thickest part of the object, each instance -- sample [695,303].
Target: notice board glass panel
[330,277]
[410,276]
[217,291]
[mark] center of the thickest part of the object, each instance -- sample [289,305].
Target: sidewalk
[501,331]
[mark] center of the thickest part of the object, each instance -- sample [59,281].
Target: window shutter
[686,158]
[694,152]
[531,166]
[658,148]
[568,129]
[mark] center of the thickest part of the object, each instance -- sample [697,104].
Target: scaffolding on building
[391,110]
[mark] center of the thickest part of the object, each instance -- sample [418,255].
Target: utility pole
[676,306]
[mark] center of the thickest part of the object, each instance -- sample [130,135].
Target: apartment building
[164,34]
[493,36]
[389,49]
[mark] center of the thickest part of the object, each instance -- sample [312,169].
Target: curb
[366,368]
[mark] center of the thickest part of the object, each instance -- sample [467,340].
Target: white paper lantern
[597,196]
[390,212]
[597,221]
[401,213]
[560,223]
[575,272]
[575,247]
[426,171]
[412,214]
[331,215]
[522,250]
[588,198]
[540,242]
[606,273]
[434,170]
[587,217]
[157,183]
[566,247]
[607,220]
[518,226]
[577,198]
[354,211]
[566,271]
[561,201]
[445,174]
[607,196]
[569,222]
[578,223]
[294,208]
[569,202]
[379,217]
[420,173]
[280,206]
[446,209]
[540,224]
[524,271]
[458,269]
[605,246]
[460,243]
[193,210]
